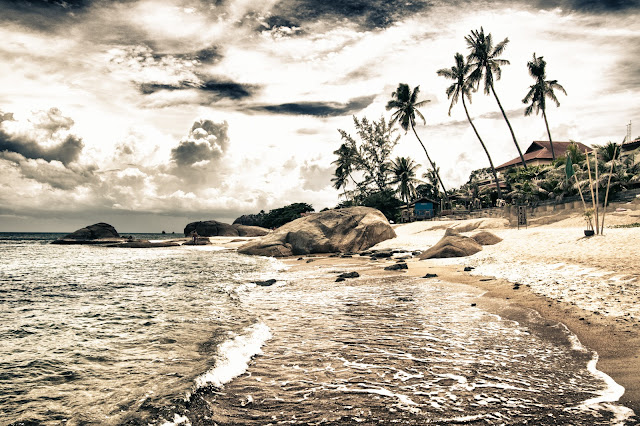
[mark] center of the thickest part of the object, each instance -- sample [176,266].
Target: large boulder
[250,231]
[343,230]
[485,238]
[452,245]
[98,233]
[213,228]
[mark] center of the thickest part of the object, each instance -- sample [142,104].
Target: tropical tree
[485,66]
[404,102]
[540,91]
[461,88]
[403,170]
[369,155]
[345,164]
[430,187]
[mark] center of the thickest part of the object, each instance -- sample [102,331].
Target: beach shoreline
[613,334]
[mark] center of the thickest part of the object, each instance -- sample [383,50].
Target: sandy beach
[591,285]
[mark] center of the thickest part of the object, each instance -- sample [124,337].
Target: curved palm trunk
[546,123]
[446,197]
[524,164]
[493,169]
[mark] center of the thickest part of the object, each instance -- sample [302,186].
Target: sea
[93,335]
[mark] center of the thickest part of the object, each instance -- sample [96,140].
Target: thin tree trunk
[524,164]
[446,197]
[493,169]
[546,123]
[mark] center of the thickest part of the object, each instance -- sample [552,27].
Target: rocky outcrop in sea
[98,233]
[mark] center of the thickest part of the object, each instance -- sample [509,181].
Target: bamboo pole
[606,196]
[593,200]
[595,154]
[580,191]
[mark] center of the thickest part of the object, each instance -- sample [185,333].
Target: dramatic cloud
[62,148]
[320,109]
[206,141]
[269,83]
[219,88]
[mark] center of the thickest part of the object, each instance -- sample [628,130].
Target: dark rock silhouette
[98,233]
[213,228]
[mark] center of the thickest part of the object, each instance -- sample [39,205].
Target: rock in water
[342,230]
[213,228]
[98,233]
[452,245]
[485,238]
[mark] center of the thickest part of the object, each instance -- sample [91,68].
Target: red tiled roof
[541,150]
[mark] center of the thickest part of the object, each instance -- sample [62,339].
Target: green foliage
[278,217]
[386,202]
[629,225]
[369,156]
[404,175]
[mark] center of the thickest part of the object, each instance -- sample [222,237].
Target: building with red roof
[539,154]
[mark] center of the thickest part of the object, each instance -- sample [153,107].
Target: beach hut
[420,209]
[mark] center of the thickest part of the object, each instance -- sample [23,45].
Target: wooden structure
[420,209]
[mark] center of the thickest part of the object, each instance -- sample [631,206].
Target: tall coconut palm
[540,91]
[484,61]
[405,104]
[461,88]
[403,170]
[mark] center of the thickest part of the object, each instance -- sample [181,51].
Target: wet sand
[592,306]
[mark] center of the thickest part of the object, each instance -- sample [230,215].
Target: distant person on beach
[195,237]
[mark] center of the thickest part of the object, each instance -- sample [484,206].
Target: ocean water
[181,336]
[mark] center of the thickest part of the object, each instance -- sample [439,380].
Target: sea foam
[234,355]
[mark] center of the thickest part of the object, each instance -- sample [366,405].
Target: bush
[386,202]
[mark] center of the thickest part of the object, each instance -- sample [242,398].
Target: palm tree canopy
[542,89]
[405,103]
[404,175]
[484,58]
[462,84]
[344,165]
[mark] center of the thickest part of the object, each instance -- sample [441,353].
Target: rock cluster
[213,228]
[342,230]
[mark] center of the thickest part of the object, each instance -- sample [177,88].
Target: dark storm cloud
[318,109]
[219,88]
[369,14]
[206,141]
[591,6]
[66,151]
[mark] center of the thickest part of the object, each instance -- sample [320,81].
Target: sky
[150,114]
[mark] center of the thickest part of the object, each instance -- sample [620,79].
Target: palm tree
[461,88]
[405,104]
[431,183]
[484,60]
[344,166]
[540,91]
[403,170]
